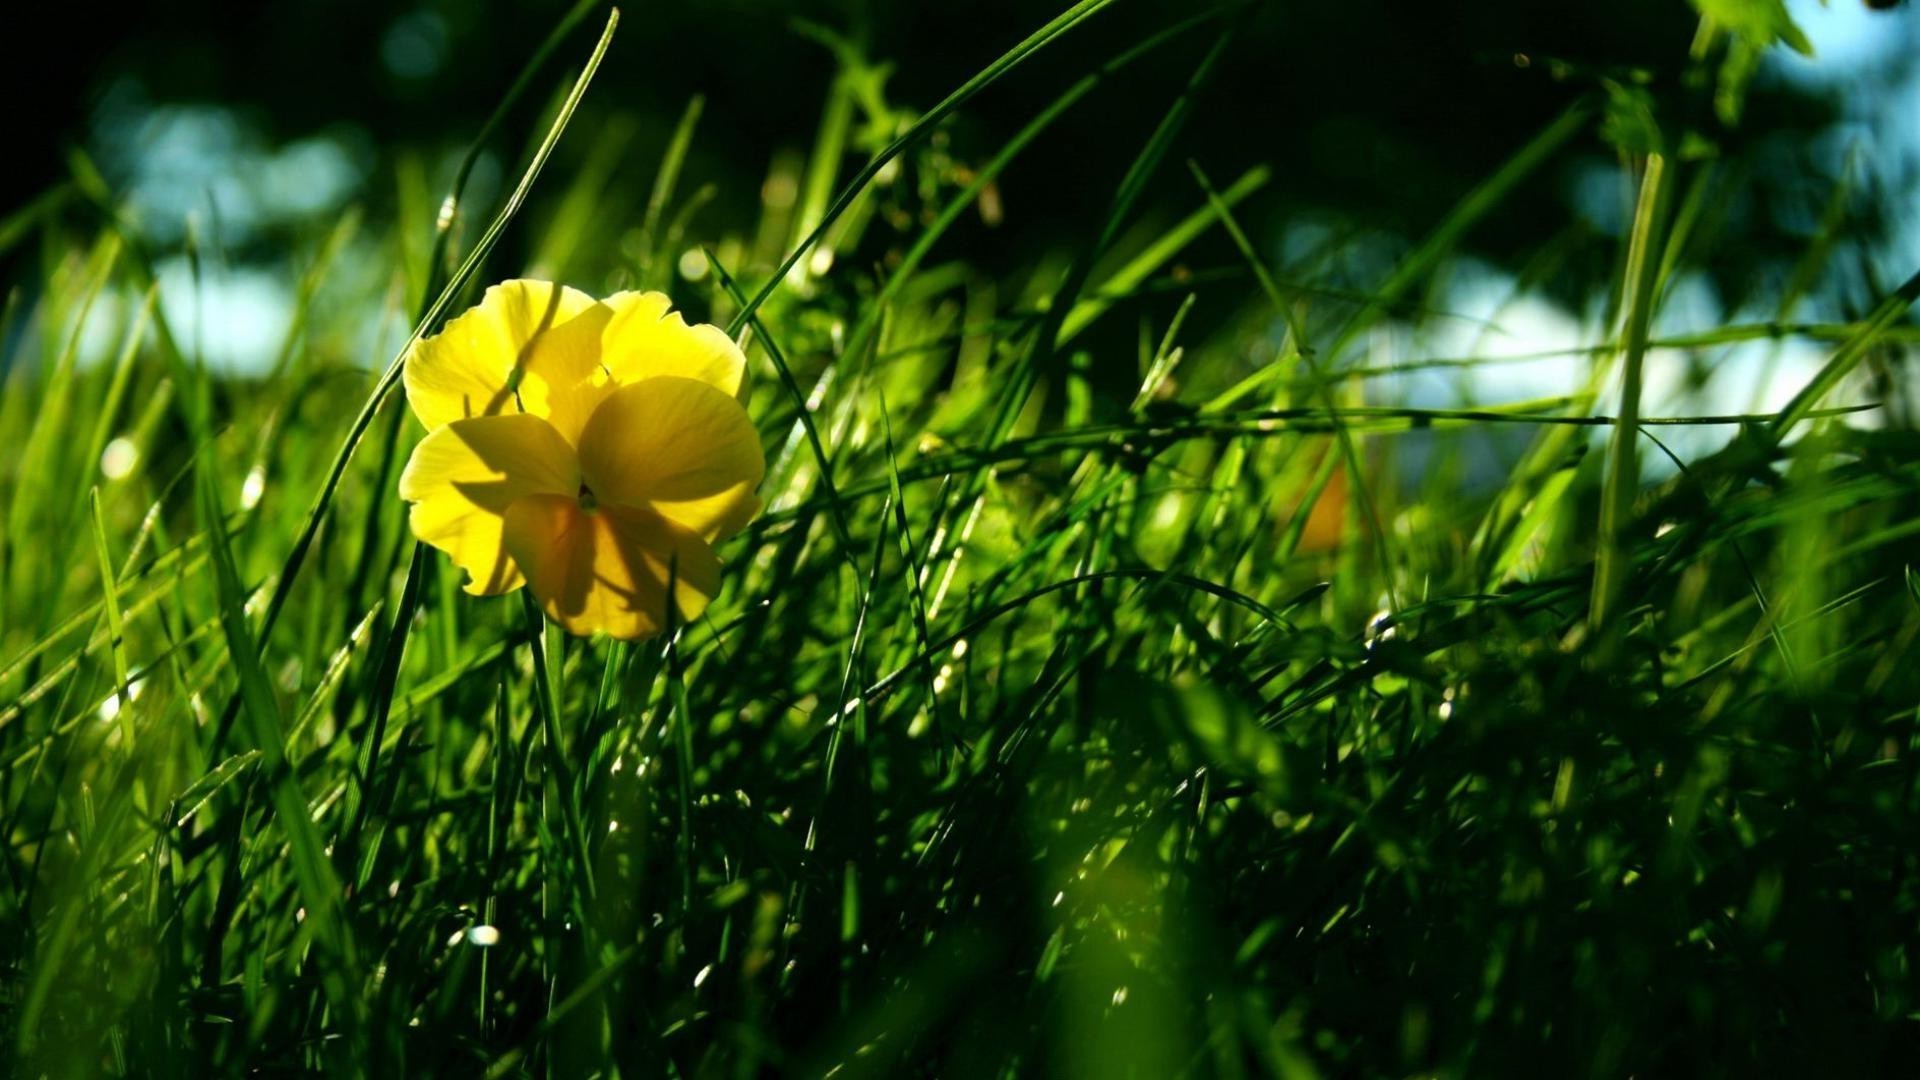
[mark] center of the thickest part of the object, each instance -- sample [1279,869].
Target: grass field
[1123,679]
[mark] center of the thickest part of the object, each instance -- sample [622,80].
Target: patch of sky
[207,175]
[1869,62]
[1527,347]
[174,160]
[1599,194]
[234,318]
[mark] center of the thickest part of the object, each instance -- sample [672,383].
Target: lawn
[1185,632]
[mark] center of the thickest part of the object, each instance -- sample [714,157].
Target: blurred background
[256,126]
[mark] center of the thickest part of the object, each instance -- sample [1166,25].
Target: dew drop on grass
[119,458]
[483,936]
[109,710]
[254,487]
[1379,628]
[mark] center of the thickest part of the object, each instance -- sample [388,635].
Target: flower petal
[645,339]
[608,570]
[561,377]
[462,477]
[680,446]
[465,370]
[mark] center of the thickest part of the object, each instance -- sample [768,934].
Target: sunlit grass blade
[988,173]
[319,888]
[665,180]
[1060,304]
[310,527]
[803,411]
[116,631]
[1847,357]
[921,128]
[1157,254]
[1343,437]
[1622,478]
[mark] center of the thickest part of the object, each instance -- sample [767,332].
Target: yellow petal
[645,339]
[465,370]
[608,570]
[462,477]
[677,445]
[561,377]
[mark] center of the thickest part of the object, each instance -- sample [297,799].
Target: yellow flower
[591,450]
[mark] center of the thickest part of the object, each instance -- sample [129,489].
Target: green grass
[1102,692]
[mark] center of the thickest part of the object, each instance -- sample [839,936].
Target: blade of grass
[1485,197]
[1142,169]
[1847,357]
[920,129]
[1357,482]
[116,630]
[310,527]
[804,413]
[319,888]
[1124,280]
[1622,480]
[664,182]
[577,873]
[984,177]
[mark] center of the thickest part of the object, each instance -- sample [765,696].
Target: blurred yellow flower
[591,450]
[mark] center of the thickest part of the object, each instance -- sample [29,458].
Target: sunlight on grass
[1213,637]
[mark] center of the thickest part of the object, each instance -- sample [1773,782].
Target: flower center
[588,504]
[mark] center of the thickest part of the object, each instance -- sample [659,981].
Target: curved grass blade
[1125,280]
[922,127]
[116,629]
[1144,165]
[988,173]
[319,889]
[310,527]
[1846,357]
[1343,437]
[1622,481]
[664,182]
[805,414]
